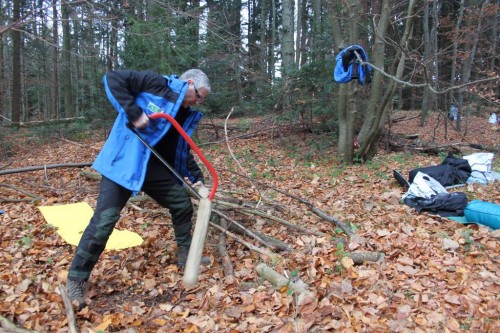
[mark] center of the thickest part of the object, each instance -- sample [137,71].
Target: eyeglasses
[197,93]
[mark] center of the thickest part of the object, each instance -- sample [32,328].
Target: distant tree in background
[2,68]
[66,65]
[54,92]
[16,64]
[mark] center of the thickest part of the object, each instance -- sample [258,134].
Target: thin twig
[231,151]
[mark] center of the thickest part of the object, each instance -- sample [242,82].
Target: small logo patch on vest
[153,108]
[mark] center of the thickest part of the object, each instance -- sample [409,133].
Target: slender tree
[427,64]
[3,114]
[287,50]
[66,80]
[456,41]
[474,23]
[16,65]
[55,63]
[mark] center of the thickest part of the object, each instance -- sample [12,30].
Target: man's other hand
[141,122]
[202,190]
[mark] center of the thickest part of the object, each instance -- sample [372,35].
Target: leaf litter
[437,275]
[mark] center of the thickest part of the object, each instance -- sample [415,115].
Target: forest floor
[436,275]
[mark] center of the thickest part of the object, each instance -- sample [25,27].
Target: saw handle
[193,146]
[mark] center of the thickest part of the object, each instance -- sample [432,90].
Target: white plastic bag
[424,186]
[480,162]
[493,119]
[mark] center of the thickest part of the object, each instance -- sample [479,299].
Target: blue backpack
[349,68]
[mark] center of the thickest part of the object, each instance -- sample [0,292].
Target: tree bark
[66,81]
[454,57]
[16,65]
[469,60]
[380,96]
[3,112]
[287,50]
[54,107]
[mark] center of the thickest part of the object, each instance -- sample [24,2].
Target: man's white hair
[199,78]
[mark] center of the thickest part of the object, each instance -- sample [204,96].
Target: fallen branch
[6,326]
[269,243]
[244,230]
[5,200]
[360,258]
[426,147]
[280,281]
[48,121]
[399,142]
[45,167]
[18,189]
[218,227]
[403,118]
[90,175]
[241,136]
[313,208]
[4,166]
[277,244]
[79,144]
[241,241]
[70,313]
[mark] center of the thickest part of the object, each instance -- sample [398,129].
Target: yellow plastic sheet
[72,219]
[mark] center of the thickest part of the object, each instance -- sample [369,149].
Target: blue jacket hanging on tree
[349,68]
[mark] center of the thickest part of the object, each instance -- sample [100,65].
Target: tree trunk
[467,65]
[346,106]
[263,49]
[456,40]
[435,49]
[382,94]
[16,66]
[272,71]
[3,112]
[427,61]
[494,44]
[287,50]
[69,108]
[315,44]
[54,107]
[298,31]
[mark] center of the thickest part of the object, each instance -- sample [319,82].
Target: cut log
[280,281]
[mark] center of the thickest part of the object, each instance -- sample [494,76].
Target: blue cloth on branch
[348,67]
